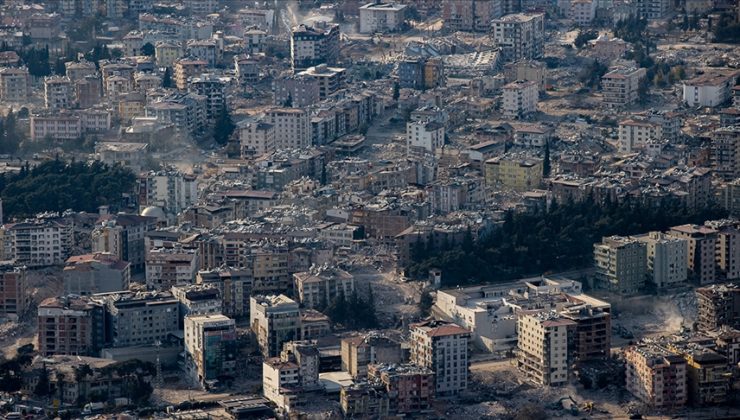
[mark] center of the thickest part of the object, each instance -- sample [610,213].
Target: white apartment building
[442,347]
[95,120]
[322,286]
[61,126]
[426,134]
[711,89]
[531,135]
[292,128]
[312,46]
[520,99]
[520,35]
[14,84]
[653,9]
[202,7]
[727,248]
[634,134]
[256,138]
[542,350]
[279,377]
[667,263]
[58,92]
[274,320]
[381,17]
[582,12]
[621,264]
[207,50]
[37,243]
[167,267]
[172,191]
[620,87]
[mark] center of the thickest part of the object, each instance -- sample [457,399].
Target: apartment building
[527,70]
[518,172]
[621,87]
[170,190]
[442,347]
[14,84]
[139,318]
[582,12]
[520,35]
[95,273]
[123,236]
[186,112]
[653,9]
[713,88]
[211,348]
[275,320]
[292,127]
[591,336]
[296,91]
[287,378]
[701,256]
[14,299]
[519,99]
[667,259]
[708,375]
[364,400]
[329,80]
[78,70]
[38,243]
[311,46]
[542,349]
[718,306]
[725,152]
[410,388]
[234,287]
[70,325]
[621,264]
[166,53]
[361,351]
[382,17]
[656,376]
[198,299]
[58,92]
[425,134]
[207,50]
[470,15]
[319,287]
[634,134]
[167,267]
[728,248]
[89,91]
[256,138]
[61,126]
[187,68]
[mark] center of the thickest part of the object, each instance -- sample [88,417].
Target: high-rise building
[311,46]
[58,92]
[701,257]
[139,318]
[292,127]
[727,248]
[621,264]
[718,306]
[656,376]
[443,348]
[70,325]
[520,35]
[519,99]
[542,349]
[210,344]
[725,152]
[123,236]
[170,190]
[14,299]
[275,320]
[14,84]
[667,264]
[471,15]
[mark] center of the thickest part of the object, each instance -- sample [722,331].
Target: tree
[546,169]
[425,303]
[224,127]
[148,49]
[43,386]
[167,78]
[396,91]
[585,36]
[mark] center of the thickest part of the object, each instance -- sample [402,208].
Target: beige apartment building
[701,258]
[667,259]
[442,347]
[620,87]
[319,287]
[274,320]
[542,350]
[621,264]
[656,376]
[14,84]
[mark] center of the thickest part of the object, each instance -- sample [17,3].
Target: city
[371,209]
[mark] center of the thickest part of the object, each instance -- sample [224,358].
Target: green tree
[224,127]
[396,91]
[148,49]
[43,386]
[583,38]
[425,303]
[546,168]
[167,78]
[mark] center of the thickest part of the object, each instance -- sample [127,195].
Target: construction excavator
[570,404]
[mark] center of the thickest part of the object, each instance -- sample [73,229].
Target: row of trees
[353,312]
[538,242]
[58,186]
[11,136]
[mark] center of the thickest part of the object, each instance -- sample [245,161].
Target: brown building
[70,325]
[592,333]
[360,351]
[656,376]
[364,400]
[410,388]
[718,305]
[708,376]
[13,297]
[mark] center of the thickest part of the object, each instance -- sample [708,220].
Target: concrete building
[14,299]
[187,113]
[14,84]
[139,318]
[667,259]
[131,155]
[713,88]
[286,379]
[61,126]
[364,399]
[312,46]
[701,257]
[591,336]
[372,348]
[78,70]
[212,88]
[123,236]
[207,50]
[470,15]
[187,68]
[292,127]
[95,273]
[519,99]
[520,35]
[275,320]
[718,306]
[89,91]
[38,243]
[635,134]
[211,348]
[198,299]
[421,73]
[167,267]
[247,69]
[621,264]
[70,325]
[656,376]
[58,92]
[528,70]
[426,135]
[582,12]
[410,388]
[166,53]
[520,173]
[653,9]
[382,17]
[725,152]
[620,87]
[443,348]
[170,190]
[296,91]
[542,350]
[256,138]
[727,248]
[328,79]
[319,287]
[234,287]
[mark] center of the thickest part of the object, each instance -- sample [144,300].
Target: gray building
[139,318]
[96,273]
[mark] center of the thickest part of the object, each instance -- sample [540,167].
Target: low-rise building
[712,88]
[95,273]
[427,135]
[382,17]
[14,85]
[320,287]
[520,173]
[620,87]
